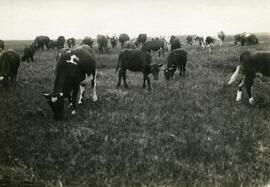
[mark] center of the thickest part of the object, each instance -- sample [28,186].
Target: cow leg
[82,90]
[74,97]
[93,82]
[239,91]
[248,84]
[125,78]
[144,79]
[32,58]
[181,69]
[184,69]
[148,82]
[119,77]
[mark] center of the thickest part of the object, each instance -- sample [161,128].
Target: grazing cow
[246,39]
[221,35]
[177,59]
[129,45]
[73,70]
[60,42]
[28,53]
[122,38]
[9,64]
[71,42]
[41,41]
[169,72]
[189,40]
[154,45]
[141,39]
[2,44]
[175,44]
[102,44]
[250,66]
[88,41]
[138,61]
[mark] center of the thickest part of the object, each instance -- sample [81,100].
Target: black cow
[200,39]
[28,54]
[41,41]
[169,72]
[154,45]
[102,43]
[246,39]
[9,64]
[250,66]
[129,45]
[138,61]
[123,38]
[52,44]
[172,38]
[71,42]
[60,42]
[177,59]
[2,44]
[175,44]
[88,41]
[189,40]
[141,39]
[73,70]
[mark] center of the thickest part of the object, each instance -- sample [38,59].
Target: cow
[9,64]
[71,42]
[177,59]
[52,44]
[123,38]
[141,39]
[172,38]
[60,42]
[129,45]
[102,43]
[74,69]
[169,73]
[2,44]
[113,41]
[137,61]
[189,40]
[41,41]
[251,65]
[246,39]
[200,39]
[28,54]
[175,44]
[221,35]
[88,41]
[154,45]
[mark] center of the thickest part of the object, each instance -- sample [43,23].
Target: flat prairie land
[189,131]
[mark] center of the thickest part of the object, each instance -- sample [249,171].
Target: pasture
[185,132]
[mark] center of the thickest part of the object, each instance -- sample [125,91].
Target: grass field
[185,132]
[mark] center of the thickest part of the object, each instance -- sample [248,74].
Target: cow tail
[235,74]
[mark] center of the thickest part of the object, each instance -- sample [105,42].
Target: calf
[169,73]
[138,61]
[28,53]
[73,70]
[250,66]
[9,64]
[178,59]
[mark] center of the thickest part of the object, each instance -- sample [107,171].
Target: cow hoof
[73,112]
[251,101]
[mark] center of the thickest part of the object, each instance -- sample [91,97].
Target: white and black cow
[251,65]
[74,69]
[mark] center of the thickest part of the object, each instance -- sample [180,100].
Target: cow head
[169,73]
[155,70]
[56,102]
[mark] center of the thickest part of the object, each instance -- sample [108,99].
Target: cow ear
[46,95]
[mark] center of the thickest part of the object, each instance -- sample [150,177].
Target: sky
[26,19]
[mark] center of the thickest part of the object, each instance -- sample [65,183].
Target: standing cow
[74,69]
[71,42]
[246,39]
[60,42]
[141,39]
[123,38]
[41,41]
[2,44]
[113,41]
[28,54]
[189,40]
[221,36]
[9,64]
[87,41]
[138,61]
[102,43]
[175,44]
[154,45]
[177,59]
[250,66]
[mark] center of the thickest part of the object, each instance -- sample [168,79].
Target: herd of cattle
[77,65]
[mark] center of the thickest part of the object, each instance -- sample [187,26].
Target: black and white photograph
[134,93]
